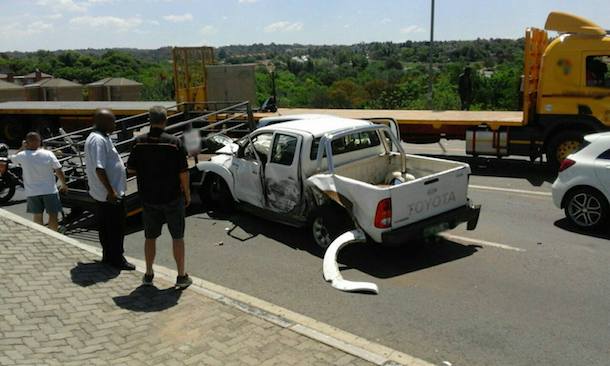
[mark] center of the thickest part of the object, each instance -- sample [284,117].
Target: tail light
[3,167]
[565,164]
[383,215]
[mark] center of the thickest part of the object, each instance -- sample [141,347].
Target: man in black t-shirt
[159,161]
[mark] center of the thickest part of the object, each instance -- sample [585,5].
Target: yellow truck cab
[573,91]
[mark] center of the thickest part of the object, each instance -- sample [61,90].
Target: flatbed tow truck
[230,119]
[566,95]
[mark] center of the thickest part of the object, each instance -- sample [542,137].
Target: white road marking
[510,190]
[480,242]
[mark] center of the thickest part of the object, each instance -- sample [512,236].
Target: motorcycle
[11,176]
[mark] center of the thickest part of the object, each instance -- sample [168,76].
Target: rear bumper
[468,213]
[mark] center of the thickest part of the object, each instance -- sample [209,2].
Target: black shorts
[155,215]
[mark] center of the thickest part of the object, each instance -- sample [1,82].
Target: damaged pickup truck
[334,175]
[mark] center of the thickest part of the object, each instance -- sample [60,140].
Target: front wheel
[562,145]
[587,208]
[7,189]
[328,223]
[215,194]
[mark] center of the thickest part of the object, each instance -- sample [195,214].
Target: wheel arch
[208,169]
[554,125]
[571,191]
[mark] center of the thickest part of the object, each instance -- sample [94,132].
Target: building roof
[114,82]
[320,126]
[32,75]
[53,83]
[5,85]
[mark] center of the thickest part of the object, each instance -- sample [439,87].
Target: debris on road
[331,269]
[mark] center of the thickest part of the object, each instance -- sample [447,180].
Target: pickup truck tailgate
[429,196]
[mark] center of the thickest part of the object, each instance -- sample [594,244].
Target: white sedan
[582,188]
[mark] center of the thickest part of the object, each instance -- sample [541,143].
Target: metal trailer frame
[209,118]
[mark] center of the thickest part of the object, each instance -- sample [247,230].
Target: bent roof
[318,126]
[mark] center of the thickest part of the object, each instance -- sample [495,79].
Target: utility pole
[430,59]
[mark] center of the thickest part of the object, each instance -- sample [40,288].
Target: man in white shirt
[107,184]
[39,181]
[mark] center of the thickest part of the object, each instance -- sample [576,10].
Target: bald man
[107,184]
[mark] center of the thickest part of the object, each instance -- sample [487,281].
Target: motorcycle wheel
[7,189]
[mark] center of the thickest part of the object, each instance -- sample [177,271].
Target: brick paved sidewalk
[58,306]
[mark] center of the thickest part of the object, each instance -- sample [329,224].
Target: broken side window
[262,144]
[284,149]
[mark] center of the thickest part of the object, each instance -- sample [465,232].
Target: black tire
[562,145]
[14,133]
[7,189]
[215,194]
[587,208]
[327,223]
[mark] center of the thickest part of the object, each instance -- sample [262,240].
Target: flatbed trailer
[423,125]
[78,108]
[497,133]
[17,118]
[414,117]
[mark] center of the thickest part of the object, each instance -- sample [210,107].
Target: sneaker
[183,282]
[147,280]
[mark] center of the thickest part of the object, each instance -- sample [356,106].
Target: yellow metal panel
[536,41]
[569,23]
[190,73]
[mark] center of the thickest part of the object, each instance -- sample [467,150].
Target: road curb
[298,323]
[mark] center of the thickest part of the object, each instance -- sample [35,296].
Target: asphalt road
[524,288]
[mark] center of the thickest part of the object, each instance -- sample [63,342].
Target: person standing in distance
[40,189]
[107,185]
[465,88]
[159,161]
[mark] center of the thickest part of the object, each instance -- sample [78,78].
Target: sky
[27,25]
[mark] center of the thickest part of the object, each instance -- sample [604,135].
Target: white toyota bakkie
[336,174]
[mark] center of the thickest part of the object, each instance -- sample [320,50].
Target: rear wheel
[562,145]
[587,208]
[215,193]
[328,223]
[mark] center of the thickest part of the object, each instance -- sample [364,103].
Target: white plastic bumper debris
[331,269]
